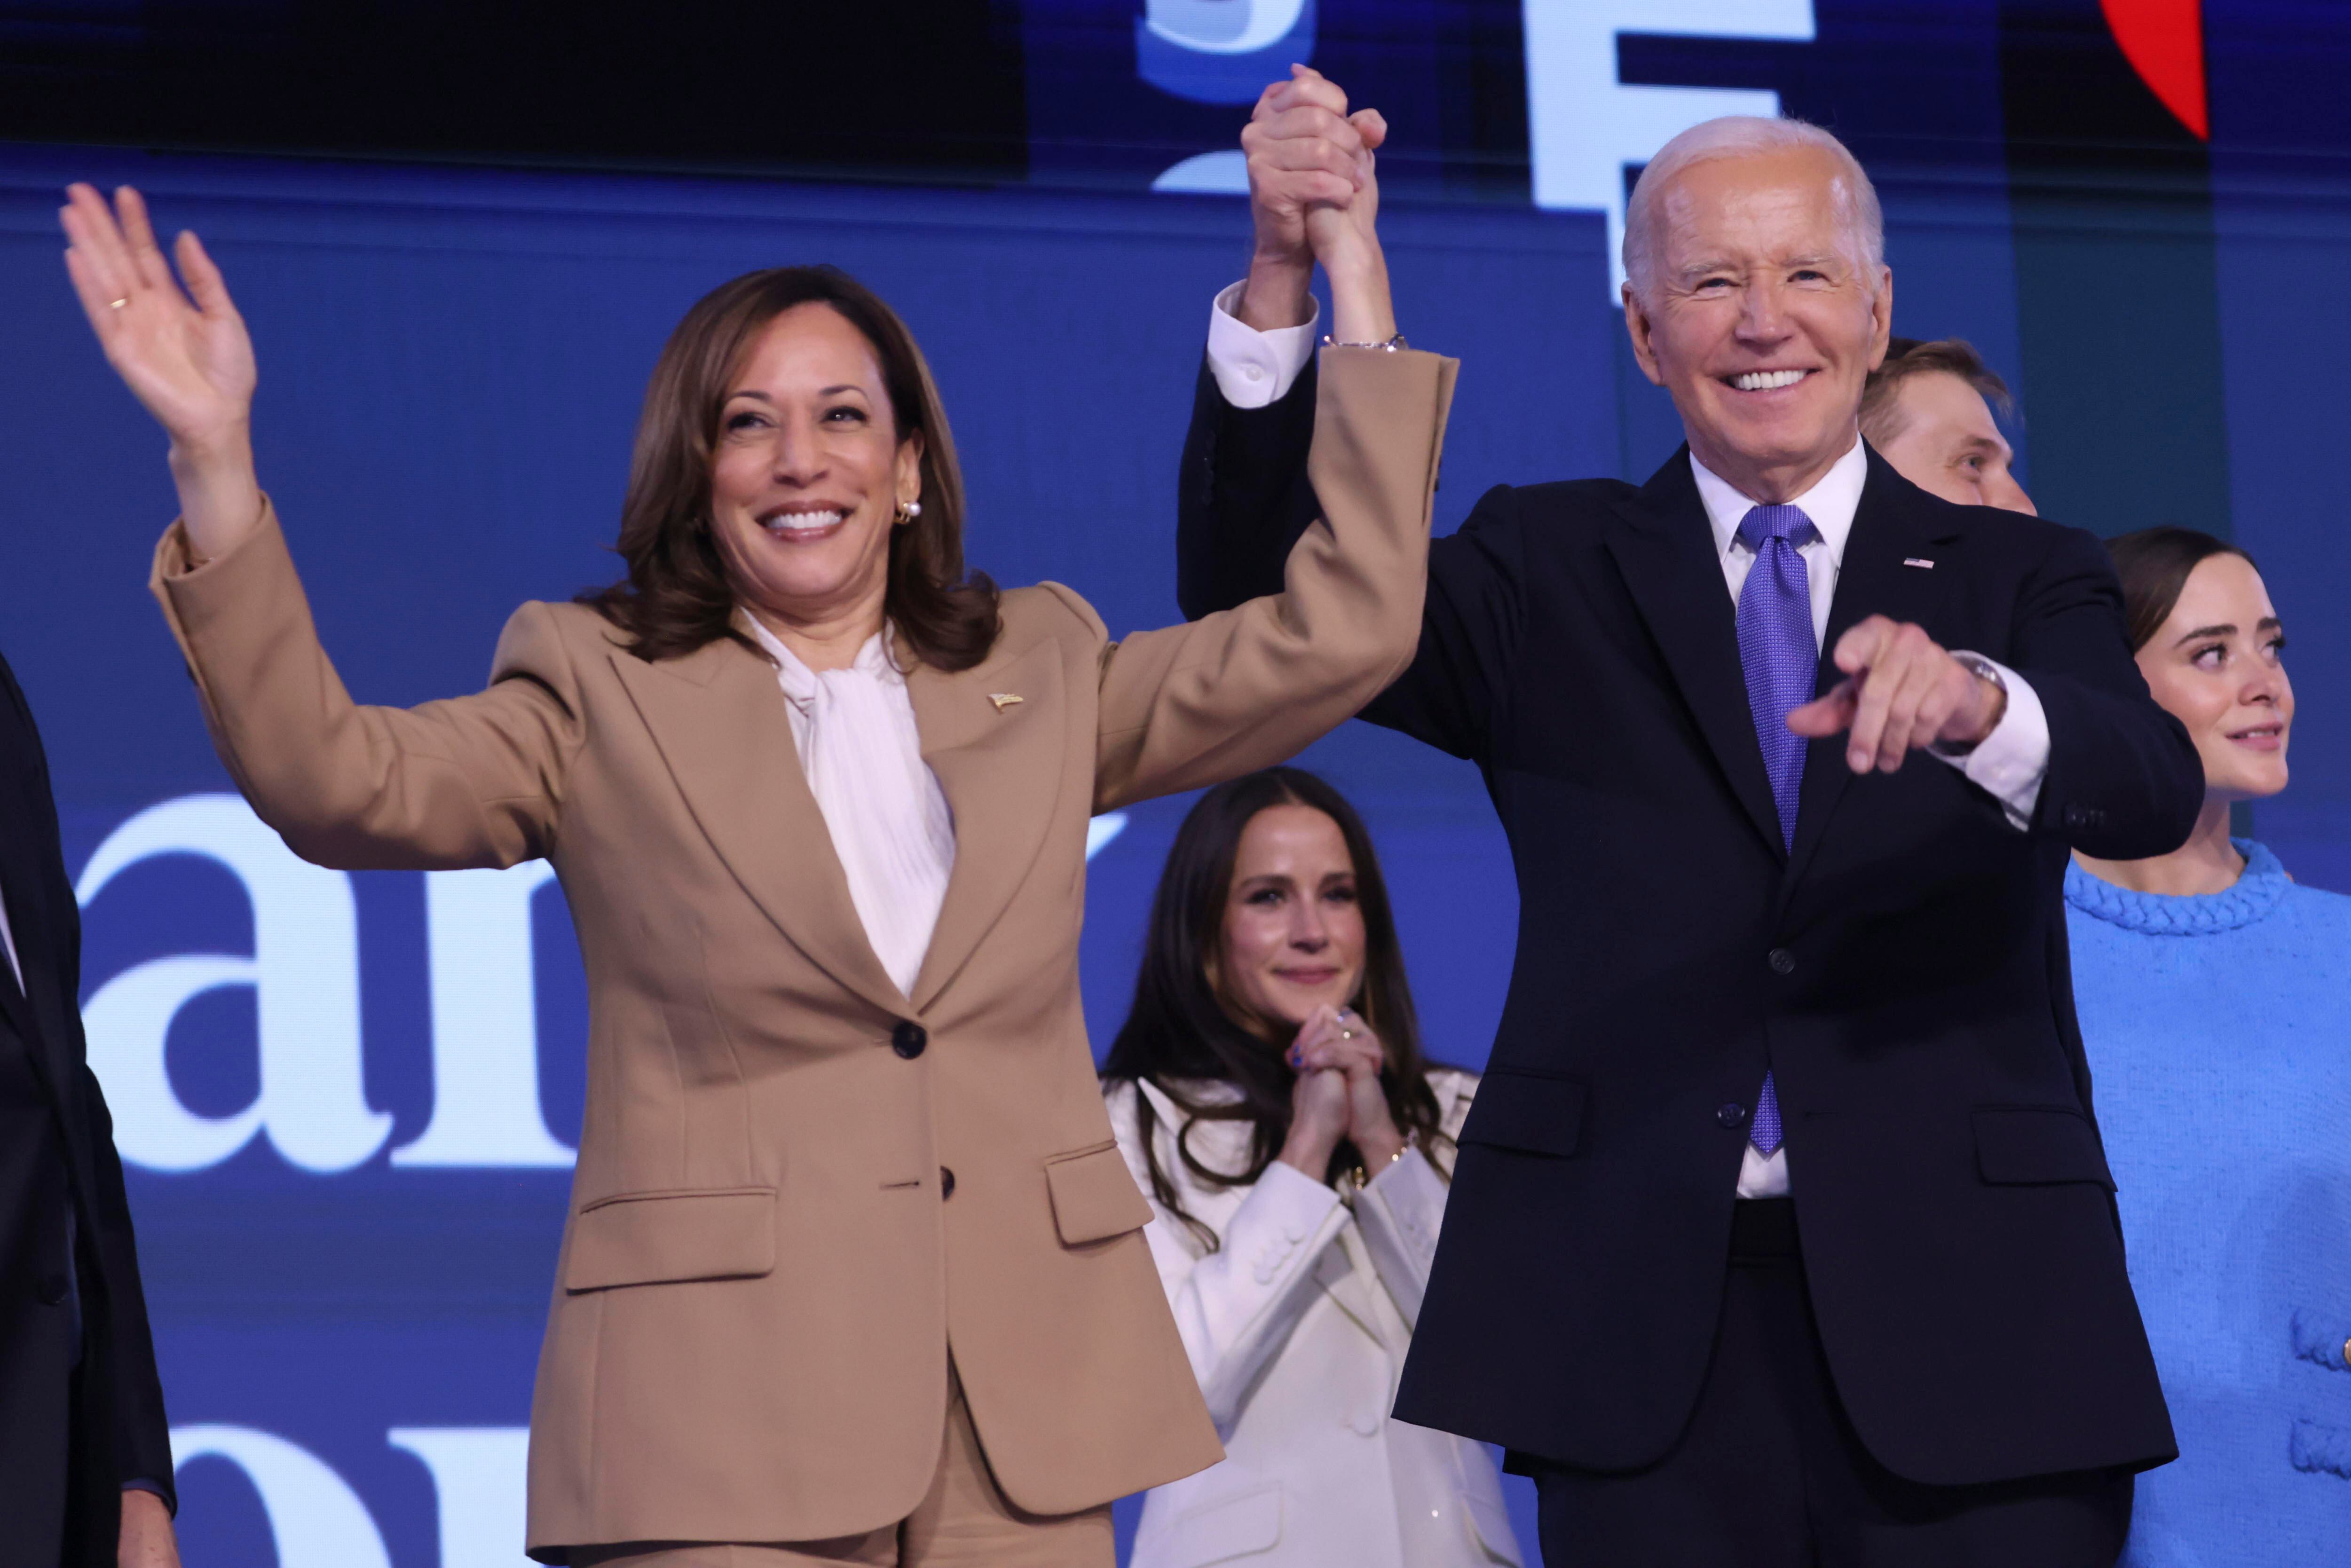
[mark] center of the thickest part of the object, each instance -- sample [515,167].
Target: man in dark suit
[85,1456]
[1781,1232]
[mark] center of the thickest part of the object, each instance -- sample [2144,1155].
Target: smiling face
[1761,317]
[2217,664]
[1292,939]
[1944,440]
[809,473]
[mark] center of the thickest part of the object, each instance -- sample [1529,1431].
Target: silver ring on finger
[118,304]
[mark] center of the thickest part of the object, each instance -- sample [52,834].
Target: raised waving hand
[184,352]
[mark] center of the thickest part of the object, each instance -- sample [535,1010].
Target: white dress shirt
[1255,369]
[889,820]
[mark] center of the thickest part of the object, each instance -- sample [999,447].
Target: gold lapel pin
[1004,699]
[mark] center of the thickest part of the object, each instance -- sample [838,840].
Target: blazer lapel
[1878,577]
[999,763]
[718,718]
[24,924]
[1348,1276]
[1665,549]
[28,994]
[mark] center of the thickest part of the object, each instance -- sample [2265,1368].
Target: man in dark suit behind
[1781,1232]
[85,1457]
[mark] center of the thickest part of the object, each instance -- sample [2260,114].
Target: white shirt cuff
[1255,369]
[2009,763]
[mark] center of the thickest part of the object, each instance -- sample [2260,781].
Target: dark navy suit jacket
[81,1410]
[1901,971]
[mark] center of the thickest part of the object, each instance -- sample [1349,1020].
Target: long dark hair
[1181,1033]
[677,595]
[2155,565]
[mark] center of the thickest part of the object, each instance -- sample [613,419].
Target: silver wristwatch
[1984,670]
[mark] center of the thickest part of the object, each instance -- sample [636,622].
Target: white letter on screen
[485,1023]
[305,970]
[316,1520]
[1582,128]
[480,1475]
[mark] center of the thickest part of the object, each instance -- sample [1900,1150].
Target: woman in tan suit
[853,1271]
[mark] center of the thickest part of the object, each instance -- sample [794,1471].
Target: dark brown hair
[1180,1033]
[677,595]
[2154,564]
[1906,356]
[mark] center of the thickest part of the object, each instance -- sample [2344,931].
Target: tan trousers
[963,1522]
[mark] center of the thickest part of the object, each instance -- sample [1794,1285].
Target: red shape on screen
[2164,41]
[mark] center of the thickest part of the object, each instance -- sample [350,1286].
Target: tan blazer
[761,1277]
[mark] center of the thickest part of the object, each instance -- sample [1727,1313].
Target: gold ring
[119,304]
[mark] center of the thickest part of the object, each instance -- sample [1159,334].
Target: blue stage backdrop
[347,1103]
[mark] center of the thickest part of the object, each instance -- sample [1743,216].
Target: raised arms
[471,782]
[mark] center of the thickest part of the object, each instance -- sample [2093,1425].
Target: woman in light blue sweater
[2215,1001]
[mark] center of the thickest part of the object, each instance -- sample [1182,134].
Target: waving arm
[184,352]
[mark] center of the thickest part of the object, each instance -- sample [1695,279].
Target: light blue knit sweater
[2219,1031]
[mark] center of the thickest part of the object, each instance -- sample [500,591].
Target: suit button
[1782,962]
[1732,1115]
[53,1289]
[909,1038]
[2347,1353]
[946,1182]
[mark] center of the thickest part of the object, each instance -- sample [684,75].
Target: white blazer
[1297,1326]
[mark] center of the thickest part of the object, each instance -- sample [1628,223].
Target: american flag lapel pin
[1921,563]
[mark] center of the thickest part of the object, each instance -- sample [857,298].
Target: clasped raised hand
[1901,691]
[1313,195]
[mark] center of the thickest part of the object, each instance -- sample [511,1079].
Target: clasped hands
[1337,1095]
[1901,691]
[1314,195]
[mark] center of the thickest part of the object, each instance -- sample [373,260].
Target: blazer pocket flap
[1094,1195]
[1528,1112]
[2030,1146]
[656,1238]
[1231,1527]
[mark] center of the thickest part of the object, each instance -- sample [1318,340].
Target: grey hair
[1745,136]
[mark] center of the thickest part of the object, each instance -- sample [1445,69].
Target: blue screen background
[451,364]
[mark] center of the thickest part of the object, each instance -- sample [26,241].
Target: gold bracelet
[1363,1180]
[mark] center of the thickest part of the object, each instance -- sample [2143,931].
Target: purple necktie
[1781,663]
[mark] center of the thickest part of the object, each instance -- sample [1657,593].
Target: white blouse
[1297,1324]
[854,731]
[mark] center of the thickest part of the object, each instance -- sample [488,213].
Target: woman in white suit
[1268,1091]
